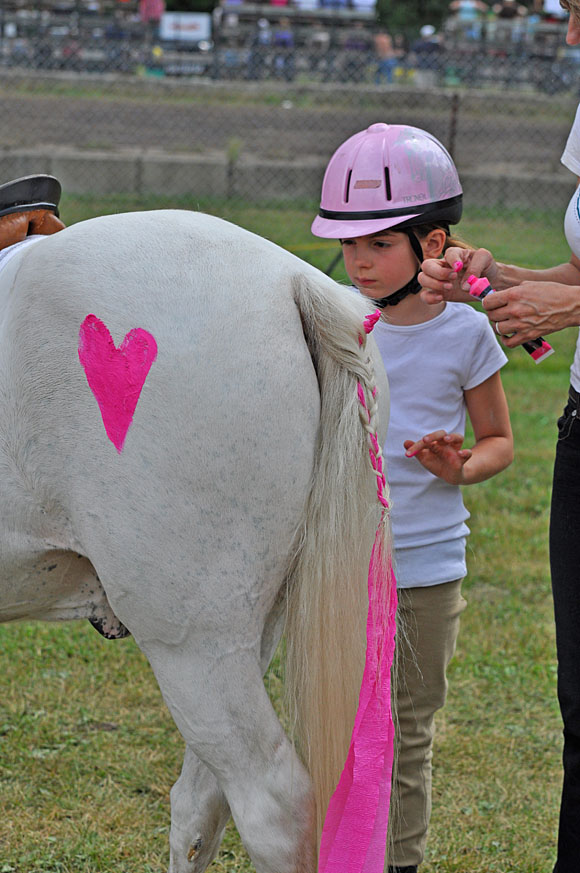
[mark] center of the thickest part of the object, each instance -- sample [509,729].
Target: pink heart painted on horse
[115,375]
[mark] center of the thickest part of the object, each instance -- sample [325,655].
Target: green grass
[88,752]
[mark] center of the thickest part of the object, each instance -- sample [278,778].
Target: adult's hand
[533,309]
[440,280]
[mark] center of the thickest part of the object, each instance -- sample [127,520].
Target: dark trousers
[565,567]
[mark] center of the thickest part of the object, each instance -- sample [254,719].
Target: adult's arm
[527,303]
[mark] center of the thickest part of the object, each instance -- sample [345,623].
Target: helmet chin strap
[412,286]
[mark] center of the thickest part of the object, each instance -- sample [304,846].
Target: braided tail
[360,803]
[328,579]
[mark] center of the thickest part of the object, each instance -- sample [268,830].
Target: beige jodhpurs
[429,621]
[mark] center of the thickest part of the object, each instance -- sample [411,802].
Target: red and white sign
[185,26]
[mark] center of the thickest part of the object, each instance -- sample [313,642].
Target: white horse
[244,477]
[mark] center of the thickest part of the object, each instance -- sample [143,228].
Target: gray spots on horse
[110,630]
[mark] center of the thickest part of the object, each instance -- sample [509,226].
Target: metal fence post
[454,114]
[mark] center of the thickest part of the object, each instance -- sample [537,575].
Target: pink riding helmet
[387,175]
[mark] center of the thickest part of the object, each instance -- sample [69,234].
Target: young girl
[389,195]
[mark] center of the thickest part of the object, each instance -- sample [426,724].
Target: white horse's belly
[55,586]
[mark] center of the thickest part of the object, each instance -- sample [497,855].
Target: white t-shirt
[467,10]
[571,159]
[429,366]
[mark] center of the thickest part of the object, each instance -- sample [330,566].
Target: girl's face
[380,263]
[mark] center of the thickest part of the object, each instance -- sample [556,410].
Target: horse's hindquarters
[215,468]
[189,518]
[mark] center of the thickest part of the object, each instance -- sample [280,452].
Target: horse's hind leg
[199,809]
[199,814]
[225,716]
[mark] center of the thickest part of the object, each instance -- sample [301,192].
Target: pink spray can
[538,348]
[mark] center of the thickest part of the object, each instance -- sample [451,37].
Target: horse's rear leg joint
[194,849]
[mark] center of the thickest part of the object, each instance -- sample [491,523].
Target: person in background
[426,53]
[509,20]
[283,43]
[318,45]
[466,17]
[468,10]
[357,52]
[386,57]
[509,9]
[260,42]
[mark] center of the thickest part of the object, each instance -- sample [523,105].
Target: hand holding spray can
[538,349]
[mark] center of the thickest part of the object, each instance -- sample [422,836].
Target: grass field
[88,752]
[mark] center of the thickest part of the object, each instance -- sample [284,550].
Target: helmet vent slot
[388,183]
[347,192]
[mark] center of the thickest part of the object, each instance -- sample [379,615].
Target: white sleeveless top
[571,160]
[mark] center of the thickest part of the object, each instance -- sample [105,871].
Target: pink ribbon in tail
[354,836]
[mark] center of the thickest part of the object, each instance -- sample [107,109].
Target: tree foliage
[407,16]
[398,15]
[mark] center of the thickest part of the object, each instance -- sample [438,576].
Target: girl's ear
[434,243]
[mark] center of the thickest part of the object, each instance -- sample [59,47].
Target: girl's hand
[440,453]
[441,281]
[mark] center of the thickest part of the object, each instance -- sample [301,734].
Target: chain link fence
[108,106]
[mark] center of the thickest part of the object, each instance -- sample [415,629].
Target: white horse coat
[189,536]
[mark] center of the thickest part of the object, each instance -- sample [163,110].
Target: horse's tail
[327,594]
